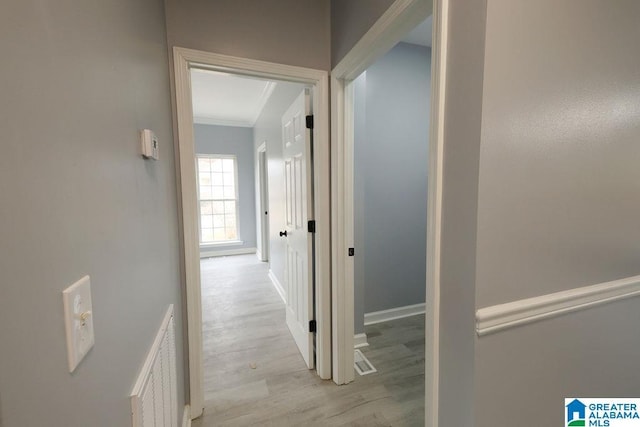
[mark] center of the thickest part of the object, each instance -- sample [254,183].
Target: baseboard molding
[278,286]
[226,252]
[186,416]
[393,314]
[360,340]
[504,316]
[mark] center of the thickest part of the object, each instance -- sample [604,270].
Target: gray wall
[558,201]
[391,144]
[268,128]
[293,32]
[350,20]
[79,80]
[462,130]
[237,141]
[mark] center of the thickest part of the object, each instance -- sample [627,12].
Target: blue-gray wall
[78,80]
[558,202]
[350,20]
[237,141]
[391,145]
[293,32]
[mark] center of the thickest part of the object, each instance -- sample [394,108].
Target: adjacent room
[391,134]
[239,157]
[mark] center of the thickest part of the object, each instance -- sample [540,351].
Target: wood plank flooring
[254,374]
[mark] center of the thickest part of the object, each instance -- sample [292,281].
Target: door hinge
[312,325]
[352,251]
[311,226]
[309,120]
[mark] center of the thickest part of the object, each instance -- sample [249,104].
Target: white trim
[188,199]
[162,351]
[360,340]
[393,314]
[394,24]
[151,355]
[341,238]
[186,416]
[517,313]
[434,210]
[223,122]
[266,94]
[278,286]
[183,60]
[210,252]
[213,245]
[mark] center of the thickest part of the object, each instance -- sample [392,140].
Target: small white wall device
[149,142]
[78,316]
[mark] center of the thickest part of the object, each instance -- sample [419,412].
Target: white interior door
[299,210]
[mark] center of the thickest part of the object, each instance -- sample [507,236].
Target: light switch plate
[149,144]
[78,316]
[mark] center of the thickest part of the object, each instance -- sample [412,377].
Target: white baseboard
[226,252]
[360,340]
[186,416]
[393,314]
[278,286]
[504,316]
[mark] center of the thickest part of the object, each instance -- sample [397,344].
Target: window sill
[218,244]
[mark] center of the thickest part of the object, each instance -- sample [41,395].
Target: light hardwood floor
[254,374]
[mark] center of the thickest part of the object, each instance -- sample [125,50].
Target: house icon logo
[576,413]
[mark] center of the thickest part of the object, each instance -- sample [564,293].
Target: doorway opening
[391,136]
[230,167]
[246,328]
[390,29]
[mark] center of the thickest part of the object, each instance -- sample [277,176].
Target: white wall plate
[78,316]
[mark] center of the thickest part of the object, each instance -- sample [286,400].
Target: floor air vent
[362,364]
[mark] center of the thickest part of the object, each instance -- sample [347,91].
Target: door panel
[299,210]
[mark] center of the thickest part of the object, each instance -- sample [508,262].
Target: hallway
[254,374]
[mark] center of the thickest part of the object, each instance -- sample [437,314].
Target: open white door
[299,210]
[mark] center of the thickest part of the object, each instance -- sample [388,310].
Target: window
[217,198]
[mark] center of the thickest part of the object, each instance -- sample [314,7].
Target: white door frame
[262,196]
[183,60]
[401,17]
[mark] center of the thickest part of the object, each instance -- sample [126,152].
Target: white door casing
[388,30]
[296,140]
[183,60]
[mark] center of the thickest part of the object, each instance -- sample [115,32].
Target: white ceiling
[421,34]
[228,99]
